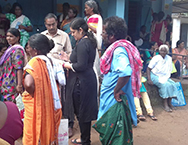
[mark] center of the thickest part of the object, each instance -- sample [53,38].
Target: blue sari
[66,28]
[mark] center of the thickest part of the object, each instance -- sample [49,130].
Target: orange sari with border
[41,121]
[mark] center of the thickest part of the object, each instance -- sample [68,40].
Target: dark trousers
[71,122]
[85,127]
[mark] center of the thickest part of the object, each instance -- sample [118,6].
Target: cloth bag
[20,105]
[115,127]
[180,100]
[63,132]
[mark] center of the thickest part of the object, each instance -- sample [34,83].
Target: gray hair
[50,15]
[92,4]
[164,46]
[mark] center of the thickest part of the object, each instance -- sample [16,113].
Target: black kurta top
[82,58]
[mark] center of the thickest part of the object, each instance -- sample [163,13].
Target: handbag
[180,100]
[63,132]
[20,105]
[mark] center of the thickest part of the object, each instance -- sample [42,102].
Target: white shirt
[162,67]
[61,41]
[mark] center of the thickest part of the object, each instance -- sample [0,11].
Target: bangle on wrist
[20,86]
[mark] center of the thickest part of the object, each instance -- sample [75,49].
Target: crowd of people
[57,74]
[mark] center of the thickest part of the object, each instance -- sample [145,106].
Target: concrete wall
[81,4]
[112,7]
[156,5]
[184,33]
[4,3]
[146,17]
[167,7]
[116,8]
[71,2]
[162,5]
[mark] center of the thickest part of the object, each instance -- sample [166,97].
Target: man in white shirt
[60,38]
[62,43]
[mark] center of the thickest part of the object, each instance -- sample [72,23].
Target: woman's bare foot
[172,107]
[166,105]
[170,104]
[167,109]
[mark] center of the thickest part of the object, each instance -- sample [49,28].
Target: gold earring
[35,53]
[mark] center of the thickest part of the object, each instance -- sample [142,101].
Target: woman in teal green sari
[149,54]
[19,21]
[152,52]
[65,25]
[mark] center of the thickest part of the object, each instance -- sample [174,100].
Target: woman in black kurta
[81,89]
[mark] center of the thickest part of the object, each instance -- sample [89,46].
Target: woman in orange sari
[41,98]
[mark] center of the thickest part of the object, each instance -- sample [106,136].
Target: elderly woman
[95,23]
[158,73]
[94,20]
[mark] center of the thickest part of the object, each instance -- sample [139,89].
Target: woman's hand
[117,95]
[64,56]
[156,48]
[150,82]
[27,28]
[19,89]
[67,65]
[29,84]
[21,27]
[122,81]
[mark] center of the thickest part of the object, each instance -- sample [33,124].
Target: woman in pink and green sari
[11,67]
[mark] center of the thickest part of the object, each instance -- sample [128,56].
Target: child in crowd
[147,104]
[146,101]
[27,50]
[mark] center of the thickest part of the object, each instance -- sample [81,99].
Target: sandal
[74,141]
[152,117]
[141,117]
